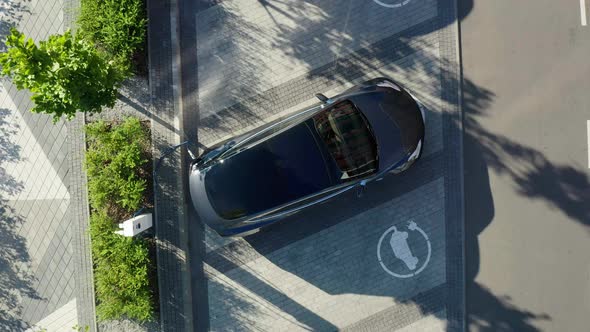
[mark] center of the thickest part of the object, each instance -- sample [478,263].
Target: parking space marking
[583,11]
[588,138]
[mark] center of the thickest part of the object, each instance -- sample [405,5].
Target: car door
[267,131]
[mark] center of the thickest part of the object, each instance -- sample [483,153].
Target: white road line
[588,136]
[583,11]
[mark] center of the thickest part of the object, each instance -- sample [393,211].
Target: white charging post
[135,225]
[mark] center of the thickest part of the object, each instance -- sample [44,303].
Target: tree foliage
[65,74]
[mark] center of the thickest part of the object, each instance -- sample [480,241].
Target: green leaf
[59,92]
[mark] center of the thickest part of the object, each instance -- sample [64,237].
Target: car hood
[268,174]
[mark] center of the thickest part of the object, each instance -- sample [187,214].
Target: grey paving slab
[453,140]
[61,319]
[386,57]
[36,190]
[322,280]
[29,213]
[405,315]
[247,46]
[82,260]
[168,130]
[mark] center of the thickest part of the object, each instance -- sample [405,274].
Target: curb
[163,48]
[83,253]
[81,213]
[462,161]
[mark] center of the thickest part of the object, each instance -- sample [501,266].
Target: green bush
[118,26]
[65,74]
[113,158]
[121,266]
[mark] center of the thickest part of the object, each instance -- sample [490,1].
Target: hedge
[121,267]
[113,158]
[116,159]
[117,26]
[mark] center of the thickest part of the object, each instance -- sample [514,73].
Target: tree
[65,74]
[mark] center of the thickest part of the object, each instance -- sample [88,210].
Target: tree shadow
[496,313]
[11,12]
[16,279]
[226,80]
[250,70]
[485,310]
[9,153]
[533,176]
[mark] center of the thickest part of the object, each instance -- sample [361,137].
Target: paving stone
[170,210]
[40,200]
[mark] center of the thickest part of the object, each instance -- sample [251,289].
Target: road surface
[526,67]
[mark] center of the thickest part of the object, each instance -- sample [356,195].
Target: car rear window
[348,139]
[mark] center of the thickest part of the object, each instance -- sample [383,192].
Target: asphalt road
[526,67]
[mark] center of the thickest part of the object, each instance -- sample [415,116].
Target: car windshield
[349,140]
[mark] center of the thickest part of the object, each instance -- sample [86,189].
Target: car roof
[278,170]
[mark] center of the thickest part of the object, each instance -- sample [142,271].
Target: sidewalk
[44,262]
[46,269]
[171,213]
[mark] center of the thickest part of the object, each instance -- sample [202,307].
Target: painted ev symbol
[392,3]
[399,250]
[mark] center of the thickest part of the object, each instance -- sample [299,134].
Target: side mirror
[191,154]
[322,98]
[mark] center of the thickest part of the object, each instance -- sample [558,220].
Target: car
[310,157]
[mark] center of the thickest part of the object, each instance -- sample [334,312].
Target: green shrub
[65,74]
[118,26]
[114,157]
[121,267]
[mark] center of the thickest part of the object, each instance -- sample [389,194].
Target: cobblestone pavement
[167,130]
[320,270]
[37,268]
[45,268]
